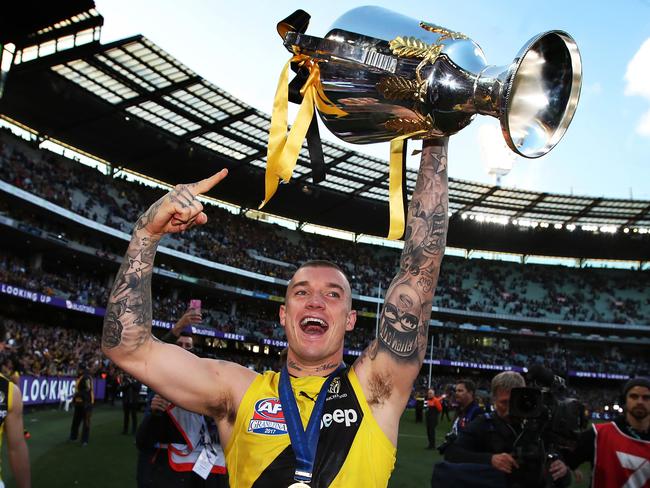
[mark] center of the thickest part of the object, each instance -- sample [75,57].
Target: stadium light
[571,227]
[606,408]
[557,226]
[626,230]
[609,229]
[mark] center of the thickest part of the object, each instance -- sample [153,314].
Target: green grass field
[109,459]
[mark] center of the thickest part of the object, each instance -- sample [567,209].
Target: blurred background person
[11,423]
[130,388]
[619,451]
[83,400]
[434,407]
[171,439]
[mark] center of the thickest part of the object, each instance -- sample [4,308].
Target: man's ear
[283,314]
[351,320]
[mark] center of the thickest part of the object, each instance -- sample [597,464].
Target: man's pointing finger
[207,184]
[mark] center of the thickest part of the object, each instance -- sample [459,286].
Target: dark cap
[632,382]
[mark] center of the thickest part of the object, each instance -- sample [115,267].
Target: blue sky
[605,152]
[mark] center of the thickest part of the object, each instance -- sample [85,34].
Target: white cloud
[644,125]
[637,76]
[638,72]
[593,89]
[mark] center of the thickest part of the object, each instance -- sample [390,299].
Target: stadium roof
[133,104]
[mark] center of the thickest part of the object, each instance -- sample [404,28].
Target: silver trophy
[396,76]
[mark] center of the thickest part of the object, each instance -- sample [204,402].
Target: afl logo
[268,418]
[269,409]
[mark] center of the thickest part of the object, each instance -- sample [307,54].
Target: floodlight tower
[495,154]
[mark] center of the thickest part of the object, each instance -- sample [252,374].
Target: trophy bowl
[394,76]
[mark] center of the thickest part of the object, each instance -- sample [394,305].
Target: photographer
[619,450]
[490,438]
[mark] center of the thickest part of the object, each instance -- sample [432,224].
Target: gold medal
[299,484]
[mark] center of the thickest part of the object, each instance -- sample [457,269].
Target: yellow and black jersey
[352,448]
[6,402]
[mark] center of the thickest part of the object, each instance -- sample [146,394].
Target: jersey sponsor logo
[639,466]
[268,418]
[348,416]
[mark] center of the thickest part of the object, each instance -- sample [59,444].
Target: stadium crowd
[39,349]
[259,321]
[606,296]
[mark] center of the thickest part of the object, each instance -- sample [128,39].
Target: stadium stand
[550,298]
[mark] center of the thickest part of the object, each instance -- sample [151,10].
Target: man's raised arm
[201,385]
[391,363]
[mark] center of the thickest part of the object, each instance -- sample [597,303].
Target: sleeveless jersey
[6,400]
[621,460]
[352,449]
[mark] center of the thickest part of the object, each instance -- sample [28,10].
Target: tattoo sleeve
[128,315]
[405,317]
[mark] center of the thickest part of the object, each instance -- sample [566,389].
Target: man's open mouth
[313,325]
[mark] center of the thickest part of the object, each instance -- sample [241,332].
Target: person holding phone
[191,317]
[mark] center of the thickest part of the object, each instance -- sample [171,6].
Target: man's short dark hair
[632,382]
[322,263]
[468,384]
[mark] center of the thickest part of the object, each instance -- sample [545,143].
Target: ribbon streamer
[284,148]
[397,184]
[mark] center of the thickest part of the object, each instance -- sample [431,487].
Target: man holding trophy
[318,422]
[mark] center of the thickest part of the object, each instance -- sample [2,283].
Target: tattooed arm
[393,360]
[206,386]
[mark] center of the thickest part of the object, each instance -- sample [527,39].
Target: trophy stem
[488,91]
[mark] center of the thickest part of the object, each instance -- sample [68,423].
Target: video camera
[550,420]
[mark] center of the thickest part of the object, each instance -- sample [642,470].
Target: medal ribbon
[303,442]
[284,148]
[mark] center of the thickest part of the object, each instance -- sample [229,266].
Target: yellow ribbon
[283,149]
[395,195]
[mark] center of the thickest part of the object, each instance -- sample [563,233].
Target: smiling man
[318,422]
